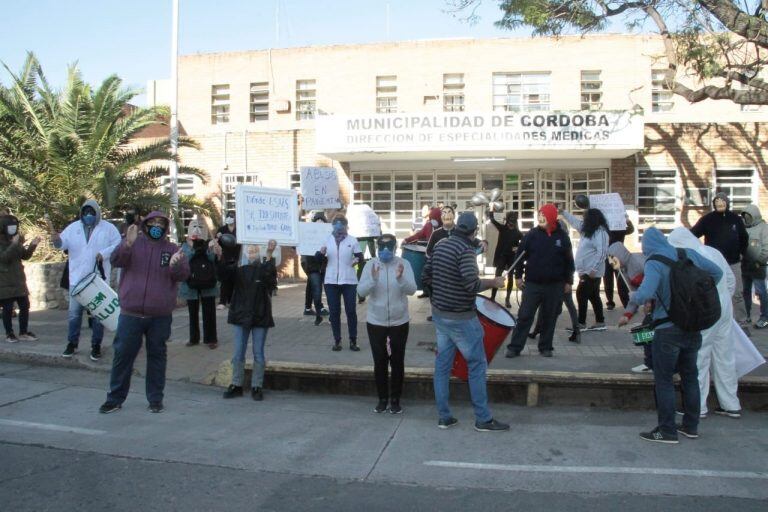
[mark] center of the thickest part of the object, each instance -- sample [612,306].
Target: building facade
[422,122]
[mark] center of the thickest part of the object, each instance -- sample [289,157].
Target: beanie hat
[466,224]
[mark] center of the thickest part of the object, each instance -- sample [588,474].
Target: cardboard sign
[312,236]
[612,207]
[363,221]
[320,188]
[265,214]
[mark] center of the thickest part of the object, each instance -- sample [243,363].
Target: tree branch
[737,21]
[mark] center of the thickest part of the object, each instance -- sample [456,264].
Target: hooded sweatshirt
[724,231]
[631,263]
[149,283]
[592,252]
[83,247]
[388,295]
[425,232]
[656,279]
[756,255]
[548,254]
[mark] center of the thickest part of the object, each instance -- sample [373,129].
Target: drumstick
[623,278]
[506,272]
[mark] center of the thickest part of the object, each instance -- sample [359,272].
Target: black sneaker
[687,433]
[491,426]
[27,336]
[657,436]
[353,346]
[394,407]
[546,353]
[511,353]
[380,407]
[336,346]
[11,338]
[108,407]
[308,312]
[233,391]
[730,414]
[575,336]
[324,312]
[69,351]
[191,343]
[318,320]
[156,407]
[533,334]
[257,394]
[95,353]
[444,424]
[610,306]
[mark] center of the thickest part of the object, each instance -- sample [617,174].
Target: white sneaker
[641,368]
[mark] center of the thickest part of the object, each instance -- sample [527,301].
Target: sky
[133,38]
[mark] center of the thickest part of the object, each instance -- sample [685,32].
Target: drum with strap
[416,255]
[95,295]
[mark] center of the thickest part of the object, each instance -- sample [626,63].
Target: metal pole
[174,136]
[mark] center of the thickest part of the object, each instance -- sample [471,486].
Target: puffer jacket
[13,282]
[252,298]
[754,262]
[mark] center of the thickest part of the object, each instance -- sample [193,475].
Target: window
[591,90]
[520,92]
[228,184]
[185,186]
[661,95]
[294,181]
[656,198]
[306,98]
[219,104]
[738,185]
[386,94]
[453,92]
[259,101]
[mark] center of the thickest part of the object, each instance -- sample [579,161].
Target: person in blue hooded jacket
[673,349]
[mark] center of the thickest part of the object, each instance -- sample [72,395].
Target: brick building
[419,122]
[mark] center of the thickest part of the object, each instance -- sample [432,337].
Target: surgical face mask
[156,232]
[479,250]
[338,227]
[229,221]
[89,220]
[12,229]
[386,255]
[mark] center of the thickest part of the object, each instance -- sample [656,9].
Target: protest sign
[265,214]
[320,188]
[363,221]
[612,207]
[313,236]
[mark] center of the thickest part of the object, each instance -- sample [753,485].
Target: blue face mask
[89,220]
[386,255]
[478,250]
[338,227]
[156,232]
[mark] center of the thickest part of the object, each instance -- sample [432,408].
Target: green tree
[59,147]
[723,44]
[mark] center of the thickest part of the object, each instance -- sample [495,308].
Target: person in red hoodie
[152,268]
[433,222]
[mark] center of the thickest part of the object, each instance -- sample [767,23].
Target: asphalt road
[300,452]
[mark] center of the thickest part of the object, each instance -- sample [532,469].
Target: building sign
[265,214]
[497,131]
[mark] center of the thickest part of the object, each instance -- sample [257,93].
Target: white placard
[320,188]
[265,214]
[612,207]
[312,236]
[363,221]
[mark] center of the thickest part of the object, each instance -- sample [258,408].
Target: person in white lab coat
[717,350]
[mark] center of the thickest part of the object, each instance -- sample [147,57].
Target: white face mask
[229,221]
[13,229]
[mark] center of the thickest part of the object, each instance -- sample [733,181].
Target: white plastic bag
[747,356]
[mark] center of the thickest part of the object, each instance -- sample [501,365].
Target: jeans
[384,357]
[761,292]
[334,294]
[258,336]
[313,293]
[131,331]
[548,299]
[589,291]
[676,350]
[467,337]
[76,320]
[209,320]
[7,305]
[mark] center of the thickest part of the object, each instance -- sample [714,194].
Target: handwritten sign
[313,236]
[612,207]
[363,221]
[265,214]
[320,188]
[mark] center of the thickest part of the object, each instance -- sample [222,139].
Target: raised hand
[271,246]
[177,256]
[323,250]
[131,234]
[399,271]
[375,271]
[36,241]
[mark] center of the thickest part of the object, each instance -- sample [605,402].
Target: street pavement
[296,340]
[322,452]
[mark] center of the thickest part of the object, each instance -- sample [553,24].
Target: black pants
[382,360]
[548,299]
[608,279]
[501,267]
[589,291]
[7,305]
[209,320]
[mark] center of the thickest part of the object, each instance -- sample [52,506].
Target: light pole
[174,135]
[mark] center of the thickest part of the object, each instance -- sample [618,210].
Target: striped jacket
[454,278]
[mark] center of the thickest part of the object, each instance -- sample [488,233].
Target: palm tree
[60,147]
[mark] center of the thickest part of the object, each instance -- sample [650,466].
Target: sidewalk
[296,342]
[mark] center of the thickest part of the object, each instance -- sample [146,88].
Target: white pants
[716,354]
[739,307]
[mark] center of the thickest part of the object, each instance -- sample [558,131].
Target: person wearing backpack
[717,343]
[201,288]
[754,262]
[683,285]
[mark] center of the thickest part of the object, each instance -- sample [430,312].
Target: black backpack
[695,303]
[202,272]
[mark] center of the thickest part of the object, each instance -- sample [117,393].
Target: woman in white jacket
[343,253]
[388,280]
[717,351]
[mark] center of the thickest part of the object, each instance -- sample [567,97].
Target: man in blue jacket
[674,350]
